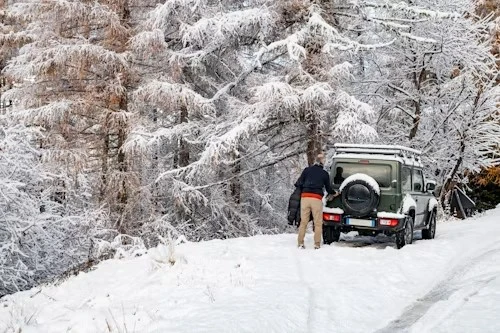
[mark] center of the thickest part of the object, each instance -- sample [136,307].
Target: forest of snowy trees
[124,121]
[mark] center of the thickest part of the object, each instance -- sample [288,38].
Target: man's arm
[332,194]
[328,185]
[300,182]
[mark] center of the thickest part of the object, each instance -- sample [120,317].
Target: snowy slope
[265,284]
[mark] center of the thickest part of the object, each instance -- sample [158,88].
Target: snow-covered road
[265,284]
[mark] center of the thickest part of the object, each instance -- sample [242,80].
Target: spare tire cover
[359,197]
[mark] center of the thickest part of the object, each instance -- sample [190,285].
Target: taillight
[388,222]
[332,217]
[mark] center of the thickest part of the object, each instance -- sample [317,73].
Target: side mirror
[394,183]
[430,186]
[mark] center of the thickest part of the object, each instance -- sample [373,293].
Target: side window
[418,181]
[338,174]
[406,179]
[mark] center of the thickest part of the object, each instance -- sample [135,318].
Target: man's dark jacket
[312,180]
[294,208]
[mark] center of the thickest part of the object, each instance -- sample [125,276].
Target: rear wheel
[430,232]
[330,235]
[405,236]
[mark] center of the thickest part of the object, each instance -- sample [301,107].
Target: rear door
[418,194]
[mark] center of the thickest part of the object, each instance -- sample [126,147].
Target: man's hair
[319,158]
[339,170]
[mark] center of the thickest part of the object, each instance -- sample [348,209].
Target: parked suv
[383,190]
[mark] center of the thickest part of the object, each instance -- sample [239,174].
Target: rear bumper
[344,227]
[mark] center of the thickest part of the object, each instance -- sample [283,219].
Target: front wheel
[405,236]
[330,235]
[430,232]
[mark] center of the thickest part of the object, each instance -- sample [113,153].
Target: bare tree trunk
[104,162]
[447,186]
[313,139]
[416,120]
[2,85]
[123,192]
[417,80]
[155,165]
[183,145]
[122,166]
[236,181]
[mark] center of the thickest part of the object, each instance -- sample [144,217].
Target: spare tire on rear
[360,194]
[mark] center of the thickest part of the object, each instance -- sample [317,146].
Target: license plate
[361,223]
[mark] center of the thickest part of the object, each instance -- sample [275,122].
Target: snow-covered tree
[196,116]
[37,241]
[12,36]
[70,87]
[73,80]
[230,93]
[428,81]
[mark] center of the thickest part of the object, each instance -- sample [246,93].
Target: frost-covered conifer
[73,81]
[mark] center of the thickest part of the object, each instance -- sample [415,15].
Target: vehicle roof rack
[401,151]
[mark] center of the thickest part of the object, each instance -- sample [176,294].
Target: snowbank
[265,284]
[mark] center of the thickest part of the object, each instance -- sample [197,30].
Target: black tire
[330,235]
[359,198]
[430,232]
[405,236]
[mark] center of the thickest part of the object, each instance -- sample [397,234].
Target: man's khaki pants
[308,205]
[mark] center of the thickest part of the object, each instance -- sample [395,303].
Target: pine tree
[73,80]
[232,96]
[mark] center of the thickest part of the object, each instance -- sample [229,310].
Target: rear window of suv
[380,172]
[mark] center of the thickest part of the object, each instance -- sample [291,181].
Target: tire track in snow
[441,291]
[311,299]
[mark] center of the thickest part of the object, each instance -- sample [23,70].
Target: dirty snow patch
[432,204]
[408,202]
[386,215]
[329,210]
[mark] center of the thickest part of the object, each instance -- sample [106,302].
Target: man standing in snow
[312,181]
